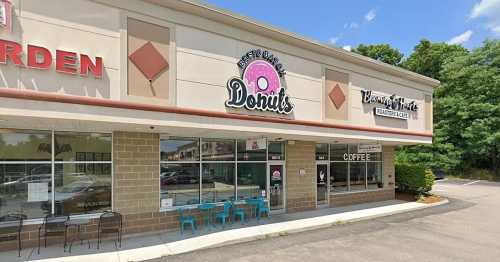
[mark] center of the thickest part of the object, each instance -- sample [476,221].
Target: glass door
[276,174]
[322,184]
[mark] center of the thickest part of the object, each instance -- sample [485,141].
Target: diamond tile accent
[337,96]
[148,60]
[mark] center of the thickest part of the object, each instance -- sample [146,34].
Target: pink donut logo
[261,77]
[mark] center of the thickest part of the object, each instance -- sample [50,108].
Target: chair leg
[19,244]
[39,241]
[120,238]
[98,239]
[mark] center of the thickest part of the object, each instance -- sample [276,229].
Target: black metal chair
[10,229]
[53,226]
[110,223]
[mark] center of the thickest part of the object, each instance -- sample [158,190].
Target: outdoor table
[207,209]
[77,224]
[253,203]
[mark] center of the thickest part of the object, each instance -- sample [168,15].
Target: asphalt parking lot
[466,229]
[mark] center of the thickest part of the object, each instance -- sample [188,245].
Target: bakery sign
[392,106]
[259,86]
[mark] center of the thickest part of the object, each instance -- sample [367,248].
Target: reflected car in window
[82,196]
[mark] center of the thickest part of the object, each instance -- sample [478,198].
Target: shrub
[414,178]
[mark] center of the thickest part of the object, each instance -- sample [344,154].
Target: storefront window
[26,189]
[374,175]
[179,184]
[321,152]
[25,173]
[25,145]
[251,180]
[83,173]
[354,171]
[245,154]
[357,174]
[276,151]
[69,146]
[339,173]
[82,188]
[217,150]
[217,182]
[180,149]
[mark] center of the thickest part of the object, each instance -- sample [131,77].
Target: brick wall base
[337,200]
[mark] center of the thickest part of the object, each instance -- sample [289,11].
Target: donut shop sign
[259,86]
[41,58]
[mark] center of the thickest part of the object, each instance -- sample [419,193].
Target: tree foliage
[466,104]
[384,53]
[428,58]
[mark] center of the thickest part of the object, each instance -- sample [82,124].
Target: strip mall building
[142,107]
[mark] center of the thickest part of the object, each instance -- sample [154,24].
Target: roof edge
[248,24]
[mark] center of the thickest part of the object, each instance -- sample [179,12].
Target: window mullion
[53,173]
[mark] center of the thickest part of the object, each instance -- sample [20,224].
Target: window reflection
[251,180]
[251,154]
[71,146]
[374,175]
[180,149]
[338,176]
[357,176]
[217,182]
[179,184]
[82,188]
[25,145]
[217,150]
[26,189]
[321,151]
[276,151]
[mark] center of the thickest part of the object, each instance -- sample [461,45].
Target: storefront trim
[90,101]
[337,193]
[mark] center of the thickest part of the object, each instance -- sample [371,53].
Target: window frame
[52,163]
[349,191]
[200,162]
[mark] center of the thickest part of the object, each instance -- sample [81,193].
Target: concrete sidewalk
[141,248]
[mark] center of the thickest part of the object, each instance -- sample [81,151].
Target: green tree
[468,107]
[383,52]
[428,58]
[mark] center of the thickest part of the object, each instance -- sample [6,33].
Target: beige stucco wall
[203,57]
[81,27]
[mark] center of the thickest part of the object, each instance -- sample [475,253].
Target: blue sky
[398,23]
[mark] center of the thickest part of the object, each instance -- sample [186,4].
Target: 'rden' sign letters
[40,58]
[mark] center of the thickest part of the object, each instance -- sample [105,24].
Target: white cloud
[353,25]
[334,40]
[460,39]
[489,9]
[370,15]
[347,47]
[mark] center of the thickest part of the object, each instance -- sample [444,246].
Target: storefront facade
[147,106]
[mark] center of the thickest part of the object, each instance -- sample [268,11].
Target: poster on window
[167,202]
[38,192]
[369,148]
[255,144]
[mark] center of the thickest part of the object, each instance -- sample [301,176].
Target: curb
[173,251]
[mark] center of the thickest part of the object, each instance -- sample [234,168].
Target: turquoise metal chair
[224,214]
[186,219]
[238,212]
[262,208]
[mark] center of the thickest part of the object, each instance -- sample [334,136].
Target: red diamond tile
[337,96]
[148,60]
